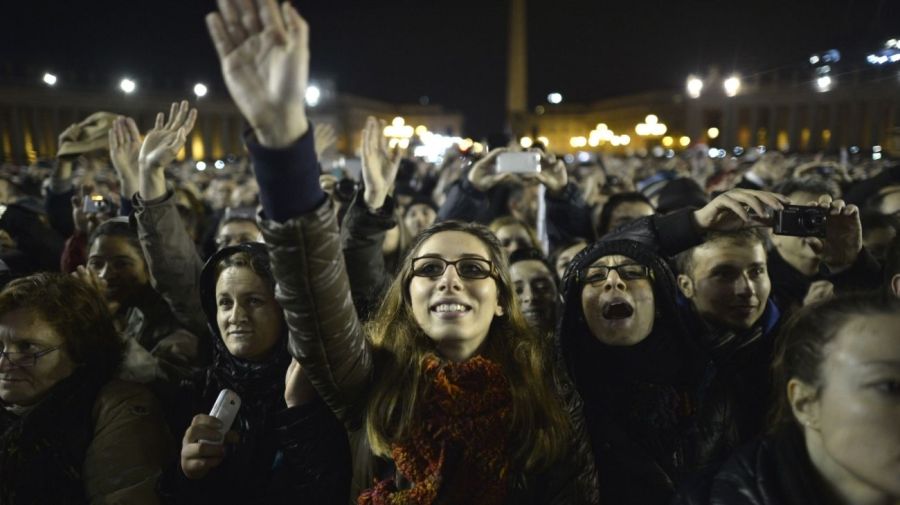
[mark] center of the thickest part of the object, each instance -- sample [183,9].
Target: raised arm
[265,60]
[168,249]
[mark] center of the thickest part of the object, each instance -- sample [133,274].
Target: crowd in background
[642,329]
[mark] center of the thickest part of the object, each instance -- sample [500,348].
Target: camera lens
[812,219]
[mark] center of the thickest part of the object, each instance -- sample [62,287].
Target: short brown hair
[75,311]
[684,261]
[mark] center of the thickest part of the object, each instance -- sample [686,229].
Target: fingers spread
[160,120]
[190,121]
[216,28]
[232,21]
[133,129]
[271,18]
[249,18]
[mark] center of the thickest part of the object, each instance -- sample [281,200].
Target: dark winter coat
[775,470]
[654,410]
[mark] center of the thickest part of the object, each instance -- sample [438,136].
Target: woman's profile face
[249,318]
[39,359]
[858,426]
[454,307]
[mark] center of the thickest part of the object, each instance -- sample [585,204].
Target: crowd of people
[618,330]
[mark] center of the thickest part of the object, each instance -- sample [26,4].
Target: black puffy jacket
[775,470]
[654,411]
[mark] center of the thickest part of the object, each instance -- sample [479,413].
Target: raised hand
[264,53]
[483,175]
[325,138]
[198,457]
[84,222]
[843,234]
[379,165]
[553,173]
[124,148]
[731,210]
[160,147]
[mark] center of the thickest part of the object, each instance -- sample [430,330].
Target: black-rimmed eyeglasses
[628,272]
[467,268]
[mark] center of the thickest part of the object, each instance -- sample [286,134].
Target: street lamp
[732,85]
[684,141]
[555,98]
[824,83]
[694,86]
[200,90]
[712,132]
[49,79]
[526,142]
[127,85]
[313,95]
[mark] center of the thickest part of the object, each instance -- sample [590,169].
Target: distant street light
[555,98]
[694,86]
[526,142]
[127,85]
[712,132]
[732,85]
[200,90]
[824,83]
[684,141]
[313,95]
[49,79]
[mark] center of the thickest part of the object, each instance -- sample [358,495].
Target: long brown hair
[539,428]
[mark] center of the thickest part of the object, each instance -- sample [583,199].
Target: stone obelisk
[517,68]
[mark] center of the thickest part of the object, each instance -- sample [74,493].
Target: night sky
[452,52]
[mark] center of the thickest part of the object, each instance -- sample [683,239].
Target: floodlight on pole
[732,85]
[694,86]
[313,95]
[127,85]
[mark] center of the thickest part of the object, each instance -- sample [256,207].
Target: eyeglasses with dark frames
[628,272]
[467,268]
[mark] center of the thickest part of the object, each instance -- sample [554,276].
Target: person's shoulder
[746,478]
[124,398]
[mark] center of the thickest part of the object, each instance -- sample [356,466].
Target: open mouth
[618,309]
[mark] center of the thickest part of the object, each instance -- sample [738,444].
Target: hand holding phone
[95,204]
[519,163]
[225,410]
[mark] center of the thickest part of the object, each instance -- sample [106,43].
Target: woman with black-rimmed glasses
[447,381]
[651,407]
[69,432]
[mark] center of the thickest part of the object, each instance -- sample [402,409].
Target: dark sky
[454,52]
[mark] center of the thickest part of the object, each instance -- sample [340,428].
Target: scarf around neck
[457,448]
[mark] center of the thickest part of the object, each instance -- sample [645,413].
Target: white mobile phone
[519,163]
[225,409]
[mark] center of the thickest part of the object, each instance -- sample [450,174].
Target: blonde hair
[539,427]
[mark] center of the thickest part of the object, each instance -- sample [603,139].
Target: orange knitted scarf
[457,448]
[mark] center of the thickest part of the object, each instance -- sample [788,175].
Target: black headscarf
[260,384]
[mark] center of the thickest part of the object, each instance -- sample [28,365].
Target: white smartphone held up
[519,163]
[225,409]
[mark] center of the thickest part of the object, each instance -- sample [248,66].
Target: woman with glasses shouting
[652,414]
[446,382]
[70,432]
